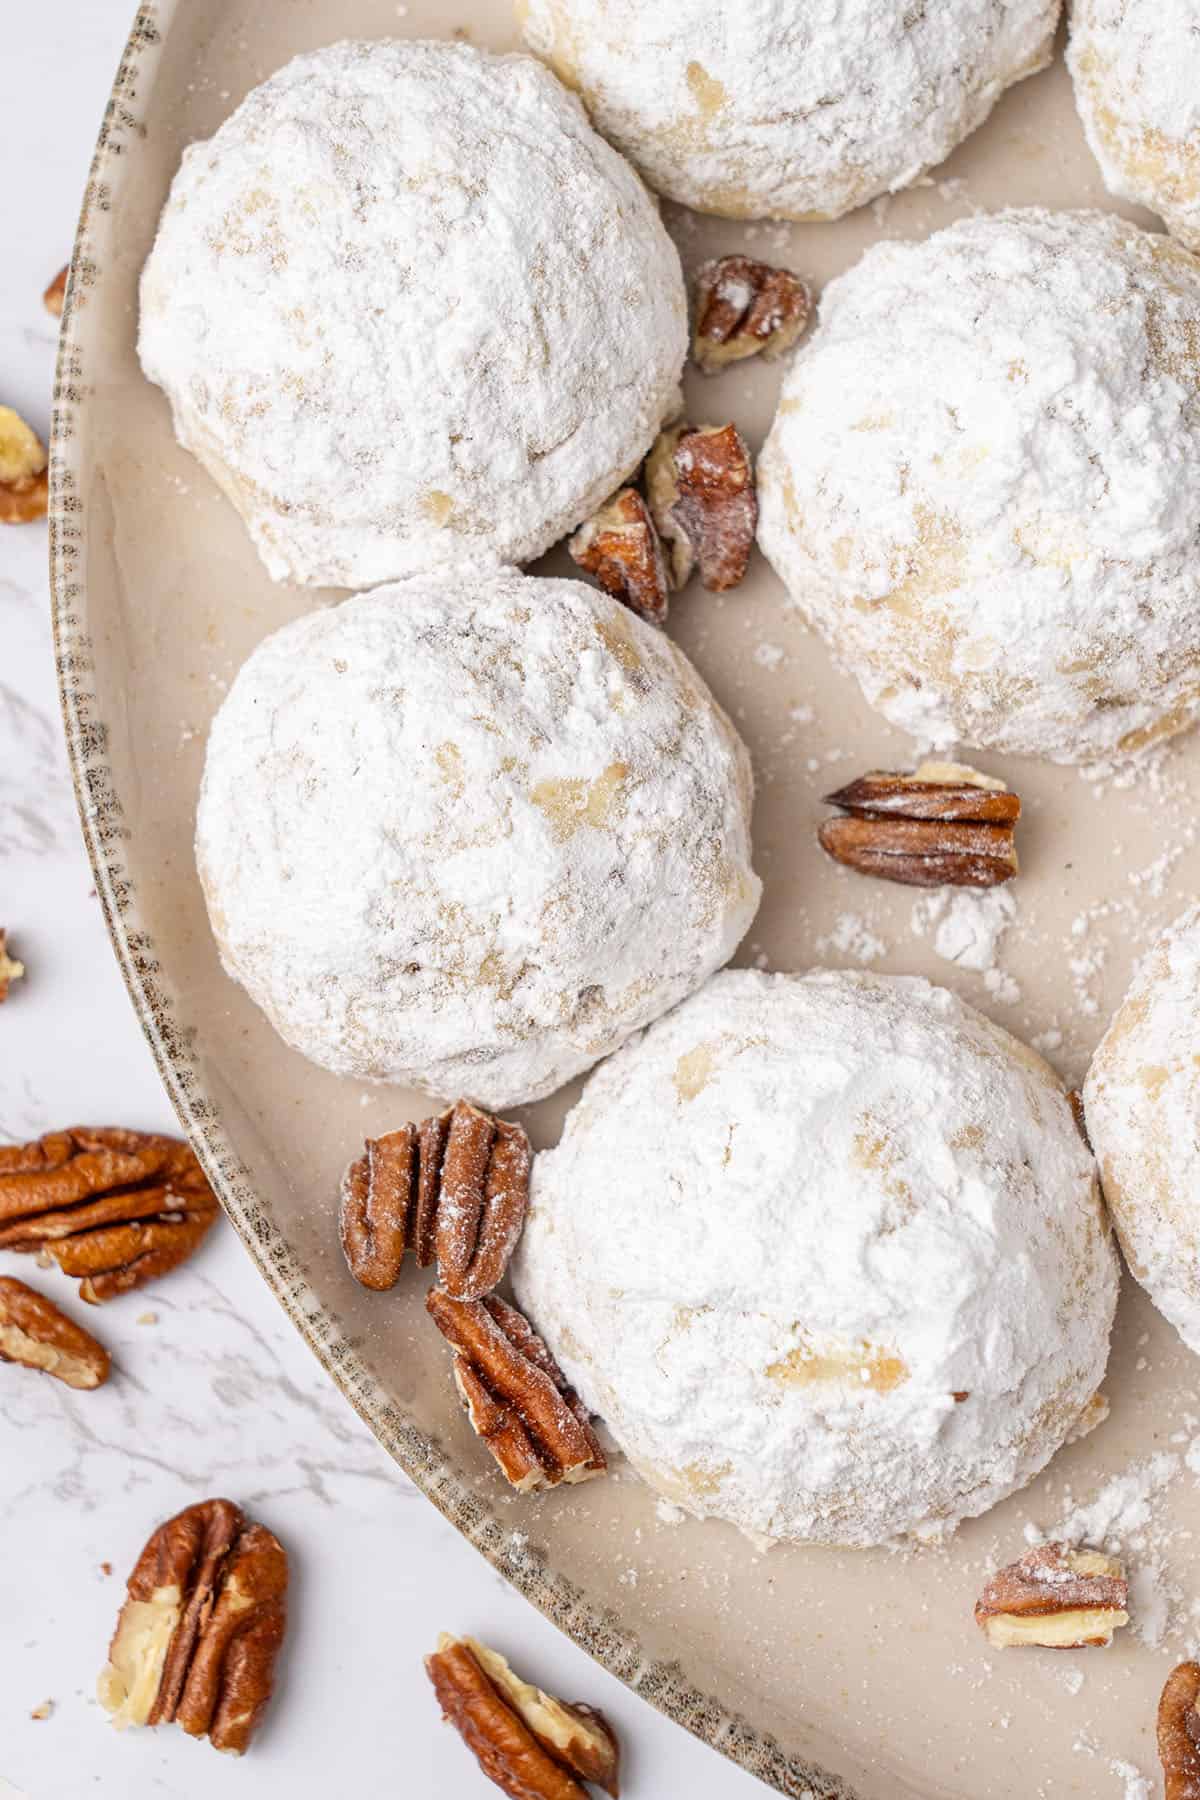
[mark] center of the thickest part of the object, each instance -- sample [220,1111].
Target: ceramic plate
[824,1673]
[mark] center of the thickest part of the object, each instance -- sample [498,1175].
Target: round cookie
[1142,1101]
[854,1281]
[408,309]
[767,109]
[470,836]
[974,487]
[1136,68]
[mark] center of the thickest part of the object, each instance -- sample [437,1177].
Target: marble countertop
[212,1391]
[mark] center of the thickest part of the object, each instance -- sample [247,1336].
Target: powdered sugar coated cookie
[469,836]
[854,1279]
[410,309]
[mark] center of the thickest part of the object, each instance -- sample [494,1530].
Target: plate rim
[594,1627]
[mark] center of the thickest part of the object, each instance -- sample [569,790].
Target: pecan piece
[1179,1733]
[115,1208]
[620,547]
[517,1398]
[35,1333]
[454,1188]
[746,308]
[9,970]
[1055,1596]
[198,1635]
[24,483]
[531,1745]
[700,483]
[942,824]
[55,295]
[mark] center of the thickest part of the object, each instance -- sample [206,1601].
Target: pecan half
[9,970]
[455,1188]
[24,483]
[55,295]
[36,1334]
[1055,1596]
[114,1208]
[942,824]
[746,308]
[700,483]
[1179,1733]
[198,1635]
[531,1745]
[517,1398]
[620,547]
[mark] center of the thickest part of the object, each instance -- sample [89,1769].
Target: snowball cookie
[774,110]
[1142,1098]
[977,484]
[469,837]
[1136,66]
[407,307]
[854,1279]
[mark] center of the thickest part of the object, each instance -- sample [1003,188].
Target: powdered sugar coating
[976,483]
[409,308]
[767,109]
[854,1280]
[1136,68]
[470,836]
[1142,1099]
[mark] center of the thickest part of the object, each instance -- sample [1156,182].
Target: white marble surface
[217,1395]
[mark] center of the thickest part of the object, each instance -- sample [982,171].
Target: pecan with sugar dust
[517,1398]
[36,1334]
[24,483]
[942,824]
[1057,1597]
[200,1630]
[1179,1733]
[55,296]
[10,970]
[700,483]
[114,1208]
[454,1188]
[620,547]
[746,308]
[531,1745]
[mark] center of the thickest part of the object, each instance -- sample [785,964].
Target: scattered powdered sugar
[468,837]
[776,1309]
[409,308]
[1136,68]
[853,937]
[1137,1785]
[1122,1508]
[789,111]
[967,925]
[971,485]
[769,656]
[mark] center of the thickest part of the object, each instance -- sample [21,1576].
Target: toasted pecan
[1179,1733]
[1055,1596]
[517,1398]
[34,1333]
[943,824]
[620,546]
[746,308]
[198,1635]
[533,1746]
[10,969]
[454,1188]
[114,1208]
[700,485]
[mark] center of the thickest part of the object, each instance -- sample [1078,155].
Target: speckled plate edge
[596,1629]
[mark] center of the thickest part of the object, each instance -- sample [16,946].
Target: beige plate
[819,1671]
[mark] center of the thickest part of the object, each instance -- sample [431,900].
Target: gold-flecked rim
[596,1628]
